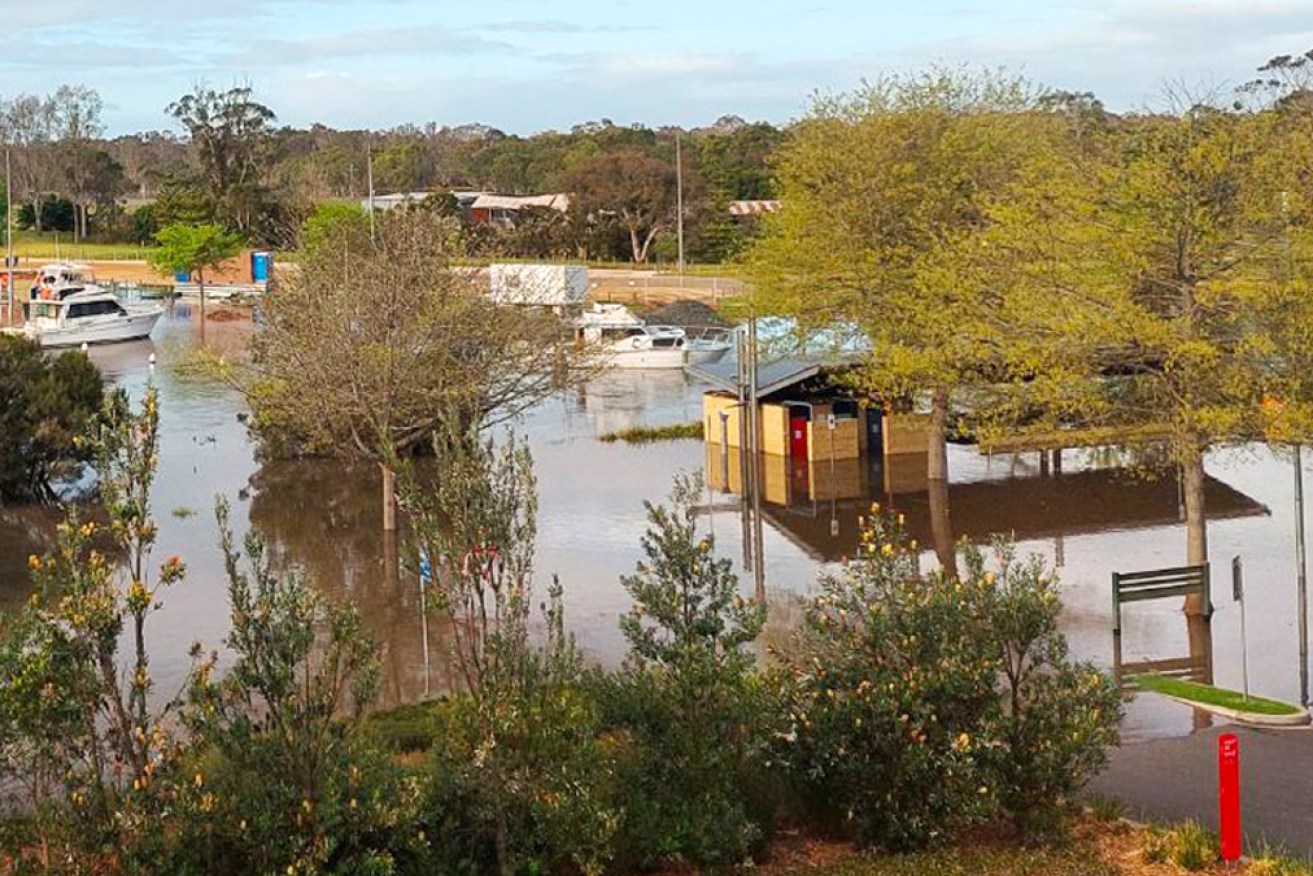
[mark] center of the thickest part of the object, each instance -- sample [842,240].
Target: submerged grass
[649,434]
[1213,696]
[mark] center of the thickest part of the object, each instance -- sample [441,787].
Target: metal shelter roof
[770,378]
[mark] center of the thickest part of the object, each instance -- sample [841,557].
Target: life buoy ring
[635,342]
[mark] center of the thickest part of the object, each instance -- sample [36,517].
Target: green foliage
[521,777]
[285,778]
[650,434]
[79,737]
[46,406]
[922,702]
[335,221]
[56,215]
[688,699]
[193,249]
[1057,718]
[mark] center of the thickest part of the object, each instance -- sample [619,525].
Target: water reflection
[1083,514]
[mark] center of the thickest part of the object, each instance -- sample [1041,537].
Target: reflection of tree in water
[322,517]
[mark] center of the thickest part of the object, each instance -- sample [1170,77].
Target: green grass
[30,247]
[1213,696]
[649,434]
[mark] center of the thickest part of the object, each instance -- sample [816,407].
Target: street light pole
[679,199]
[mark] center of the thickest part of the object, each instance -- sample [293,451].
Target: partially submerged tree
[887,195]
[194,249]
[371,346]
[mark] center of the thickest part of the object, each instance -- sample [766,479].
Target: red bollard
[1228,795]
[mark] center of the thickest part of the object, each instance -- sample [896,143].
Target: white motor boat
[67,310]
[625,341]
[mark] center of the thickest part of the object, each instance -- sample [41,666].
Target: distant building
[506,208]
[743,209]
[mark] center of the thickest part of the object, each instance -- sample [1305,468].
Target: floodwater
[1089,517]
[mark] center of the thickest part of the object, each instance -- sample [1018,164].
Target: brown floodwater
[1090,518]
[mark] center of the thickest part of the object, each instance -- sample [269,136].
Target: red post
[1228,793]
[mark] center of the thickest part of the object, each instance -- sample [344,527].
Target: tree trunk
[200,283]
[941,527]
[389,498]
[1198,624]
[936,437]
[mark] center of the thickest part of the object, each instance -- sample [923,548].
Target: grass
[1213,696]
[650,434]
[30,246]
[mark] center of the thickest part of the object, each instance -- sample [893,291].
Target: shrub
[284,780]
[891,682]
[78,734]
[924,702]
[1056,718]
[1192,847]
[521,779]
[688,702]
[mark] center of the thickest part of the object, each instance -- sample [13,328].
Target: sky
[529,65]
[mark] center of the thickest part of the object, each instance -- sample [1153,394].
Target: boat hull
[702,355]
[668,357]
[94,330]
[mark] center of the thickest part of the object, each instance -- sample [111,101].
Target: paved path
[1171,780]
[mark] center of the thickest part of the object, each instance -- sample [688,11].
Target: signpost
[1238,593]
[1228,795]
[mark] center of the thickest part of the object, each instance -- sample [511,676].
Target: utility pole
[679,199]
[9,238]
[754,440]
[369,170]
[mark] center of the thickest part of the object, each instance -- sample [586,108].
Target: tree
[635,187]
[687,695]
[77,110]
[1186,308]
[229,133]
[886,197]
[29,124]
[46,406]
[193,249]
[370,347]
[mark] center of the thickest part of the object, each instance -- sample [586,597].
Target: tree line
[229,162]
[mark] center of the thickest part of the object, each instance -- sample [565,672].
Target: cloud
[378,43]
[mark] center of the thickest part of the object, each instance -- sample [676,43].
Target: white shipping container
[542,285]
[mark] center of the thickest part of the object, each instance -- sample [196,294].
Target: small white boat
[625,341]
[67,310]
[710,346]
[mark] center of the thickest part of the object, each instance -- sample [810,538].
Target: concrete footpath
[1171,780]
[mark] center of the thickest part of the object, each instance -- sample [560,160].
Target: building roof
[752,208]
[771,377]
[519,202]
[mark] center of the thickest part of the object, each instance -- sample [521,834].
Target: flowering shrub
[922,702]
[283,780]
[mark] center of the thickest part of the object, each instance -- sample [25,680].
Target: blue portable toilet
[261,266]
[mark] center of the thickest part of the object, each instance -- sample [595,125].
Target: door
[798,435]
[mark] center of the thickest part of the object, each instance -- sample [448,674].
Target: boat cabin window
[93,308]
[43,309]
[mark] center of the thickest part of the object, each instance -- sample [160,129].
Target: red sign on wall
[1228,793]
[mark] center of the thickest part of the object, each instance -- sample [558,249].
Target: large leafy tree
[46,406]
[230,136]
[888,197]
[636,188]
[1185,301]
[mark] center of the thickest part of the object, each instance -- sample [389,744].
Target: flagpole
[9,238]
[679,199]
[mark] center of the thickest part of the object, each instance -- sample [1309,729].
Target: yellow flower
[34,562]
[200,780]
